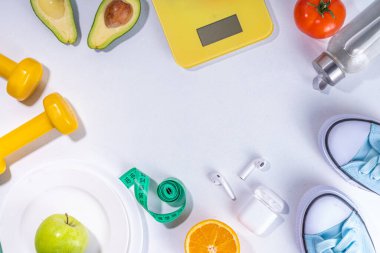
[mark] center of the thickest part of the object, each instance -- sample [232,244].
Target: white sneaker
[327,222]
[351,144]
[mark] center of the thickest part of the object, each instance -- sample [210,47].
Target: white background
[138,108]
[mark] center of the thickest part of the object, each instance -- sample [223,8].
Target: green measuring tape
[170,191]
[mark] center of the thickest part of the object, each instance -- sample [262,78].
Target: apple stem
[67,218]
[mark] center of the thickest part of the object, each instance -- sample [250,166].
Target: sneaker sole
[305,202]
[321,140]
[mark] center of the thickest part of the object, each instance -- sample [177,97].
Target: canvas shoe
[351,144]
[328,222]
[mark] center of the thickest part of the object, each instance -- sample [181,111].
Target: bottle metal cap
[329,73]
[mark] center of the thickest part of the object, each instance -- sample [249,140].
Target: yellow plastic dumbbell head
[60,113]
[24,79]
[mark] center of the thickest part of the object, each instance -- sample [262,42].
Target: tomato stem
[323,7]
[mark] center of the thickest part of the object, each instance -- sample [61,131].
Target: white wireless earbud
[260,164]
[218,179]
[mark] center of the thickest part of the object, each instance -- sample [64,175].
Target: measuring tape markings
[170,191]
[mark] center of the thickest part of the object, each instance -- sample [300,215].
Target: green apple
[61,233]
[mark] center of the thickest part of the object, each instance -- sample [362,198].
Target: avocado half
[58,16]
[113,19]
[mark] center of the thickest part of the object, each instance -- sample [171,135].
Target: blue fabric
[365,166]
[349,236]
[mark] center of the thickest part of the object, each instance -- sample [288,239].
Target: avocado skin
[56,34]
[99,15]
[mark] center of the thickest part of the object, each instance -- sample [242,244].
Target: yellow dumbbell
[58,114]
[23,78]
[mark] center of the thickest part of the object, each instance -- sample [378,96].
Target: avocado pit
[113,19]
[117,13]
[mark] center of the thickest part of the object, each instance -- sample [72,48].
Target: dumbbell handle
[6,66]
[24,134]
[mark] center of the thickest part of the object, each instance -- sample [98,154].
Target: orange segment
[212,236]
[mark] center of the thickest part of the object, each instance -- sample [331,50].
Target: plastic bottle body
[359,42]
[351,49]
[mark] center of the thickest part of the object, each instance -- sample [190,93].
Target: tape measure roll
[171,191]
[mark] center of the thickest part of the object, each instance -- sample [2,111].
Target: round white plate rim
[124,195]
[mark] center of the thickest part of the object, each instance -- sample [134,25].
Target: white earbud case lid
[269,199]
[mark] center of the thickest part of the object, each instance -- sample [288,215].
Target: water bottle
[351,49]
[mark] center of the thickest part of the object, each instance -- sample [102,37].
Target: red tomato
[319,18]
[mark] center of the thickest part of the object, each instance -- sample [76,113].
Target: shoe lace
[371,168]
[347,244]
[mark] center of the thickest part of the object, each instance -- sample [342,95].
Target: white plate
[112,218]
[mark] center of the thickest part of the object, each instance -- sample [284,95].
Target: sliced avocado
[58,16]
[113,19]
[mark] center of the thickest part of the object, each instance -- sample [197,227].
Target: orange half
[212,236]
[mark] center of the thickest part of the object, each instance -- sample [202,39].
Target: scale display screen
[219,30]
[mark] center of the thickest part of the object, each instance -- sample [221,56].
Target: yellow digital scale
[201,30]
